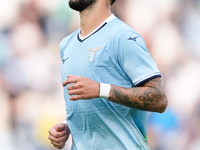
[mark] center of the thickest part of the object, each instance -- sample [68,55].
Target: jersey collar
[81,39]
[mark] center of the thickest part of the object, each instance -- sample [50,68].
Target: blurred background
[31,96]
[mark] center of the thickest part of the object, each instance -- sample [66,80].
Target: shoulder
[65,42]
[123,35]
[120,29]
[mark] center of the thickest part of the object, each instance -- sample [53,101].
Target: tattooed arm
[149,97]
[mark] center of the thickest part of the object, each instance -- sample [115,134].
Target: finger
[71,76]
[72,87]
[58,140]
[58,145]
[56,134]
[76,97]
[60,127]
[75,92]
[70,80]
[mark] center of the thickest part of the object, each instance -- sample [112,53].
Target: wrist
[104,90]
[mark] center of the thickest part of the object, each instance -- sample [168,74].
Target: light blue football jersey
[113,54]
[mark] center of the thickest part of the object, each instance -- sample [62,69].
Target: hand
[82,88]
[58,135]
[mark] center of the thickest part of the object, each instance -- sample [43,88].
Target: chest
[94,58]
[87,55]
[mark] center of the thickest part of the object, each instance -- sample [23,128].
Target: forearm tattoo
[150,96]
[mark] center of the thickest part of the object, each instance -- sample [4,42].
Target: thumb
[71,76]
[60,127]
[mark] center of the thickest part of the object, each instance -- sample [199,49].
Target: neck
[93,16]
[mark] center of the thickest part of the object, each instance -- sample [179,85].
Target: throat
[91,21]
[81,38]
[91,28]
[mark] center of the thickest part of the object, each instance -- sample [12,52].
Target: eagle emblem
[92,53]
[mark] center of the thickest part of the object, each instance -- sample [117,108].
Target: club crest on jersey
[92,53]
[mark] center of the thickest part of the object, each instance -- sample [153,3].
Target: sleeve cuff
[138,83]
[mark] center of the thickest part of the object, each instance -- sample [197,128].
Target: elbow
[162,108]
[162,105]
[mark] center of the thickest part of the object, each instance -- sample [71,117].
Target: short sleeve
[135,59]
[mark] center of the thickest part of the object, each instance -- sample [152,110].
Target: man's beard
[80,5]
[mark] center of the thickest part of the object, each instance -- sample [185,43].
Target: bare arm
[149,97]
